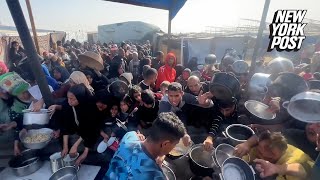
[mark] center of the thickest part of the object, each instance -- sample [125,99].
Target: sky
[195,16]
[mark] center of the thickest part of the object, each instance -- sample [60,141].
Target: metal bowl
[201,161]
[27,163]
[66,173]
[179,150]
[39,145]
[259,110]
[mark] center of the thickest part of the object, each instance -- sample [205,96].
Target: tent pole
[259,36]
[24,34]
[169,32]
[34,31]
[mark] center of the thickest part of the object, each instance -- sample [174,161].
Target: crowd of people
[148,102]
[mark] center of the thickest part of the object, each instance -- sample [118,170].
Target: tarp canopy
[173,6]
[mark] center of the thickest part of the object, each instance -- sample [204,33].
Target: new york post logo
[286,30]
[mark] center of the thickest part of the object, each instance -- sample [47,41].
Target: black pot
[225,86]
[238,133]
[201,161]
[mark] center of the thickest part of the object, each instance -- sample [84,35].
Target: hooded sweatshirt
[166,72]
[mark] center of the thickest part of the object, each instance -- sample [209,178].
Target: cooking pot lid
[118,88]
[223,152]
[259,110]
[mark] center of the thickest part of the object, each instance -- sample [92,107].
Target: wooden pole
[259,36]
[34,31]
[169,31]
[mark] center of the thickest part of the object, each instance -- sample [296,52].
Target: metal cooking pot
[304,107]
[235,168]
[56,162]
[66,173]
[258,86]
[201,161]
[70,161]
[279,65]
[225,86]
[27,163]
[222,152]
[238,133]
[168,172]
[41,118]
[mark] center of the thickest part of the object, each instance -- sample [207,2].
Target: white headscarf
[78,77]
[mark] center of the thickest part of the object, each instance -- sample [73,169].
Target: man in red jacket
[167,71]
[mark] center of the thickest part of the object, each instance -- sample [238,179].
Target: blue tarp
[173,6]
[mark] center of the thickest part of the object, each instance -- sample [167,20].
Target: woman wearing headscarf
[16,54]
[61,74]
[80,116]
[77,77]
[115,70]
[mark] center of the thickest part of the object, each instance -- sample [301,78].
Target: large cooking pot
[258,86]
[41,118]
[238,133]
[236,169]
[286,85]
[222,152]
[26,163]
[66,173]
[167,171]
[304,107]
[201,161]
[225,86]
[36,145]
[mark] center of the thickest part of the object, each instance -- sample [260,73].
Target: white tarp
[199,48]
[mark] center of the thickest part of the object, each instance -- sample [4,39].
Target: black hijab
[64,73]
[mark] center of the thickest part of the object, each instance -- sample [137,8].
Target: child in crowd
[150,77]
[135,95]
[148,111]
[182,79]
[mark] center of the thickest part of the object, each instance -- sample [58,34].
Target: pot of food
[258,86]
[56,162]
[238,133]
[168,172]
[201,161]
[261,112]
[224,86]
[304,107]
[66,173]
[179,150]
[236,168]
[69,160]
[36,138]
[26,163]
[41,118]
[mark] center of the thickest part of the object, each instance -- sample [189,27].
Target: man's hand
[203,98]
[56,134]
[186,140]
[37,106]
[208,144]
[274,105]
[241,149]
[16,150]
[73,151]
[82,157]
[64,151]
[141,136]
[160,160]
[265,168]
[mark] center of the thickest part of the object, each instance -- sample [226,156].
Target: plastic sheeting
[172,5]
